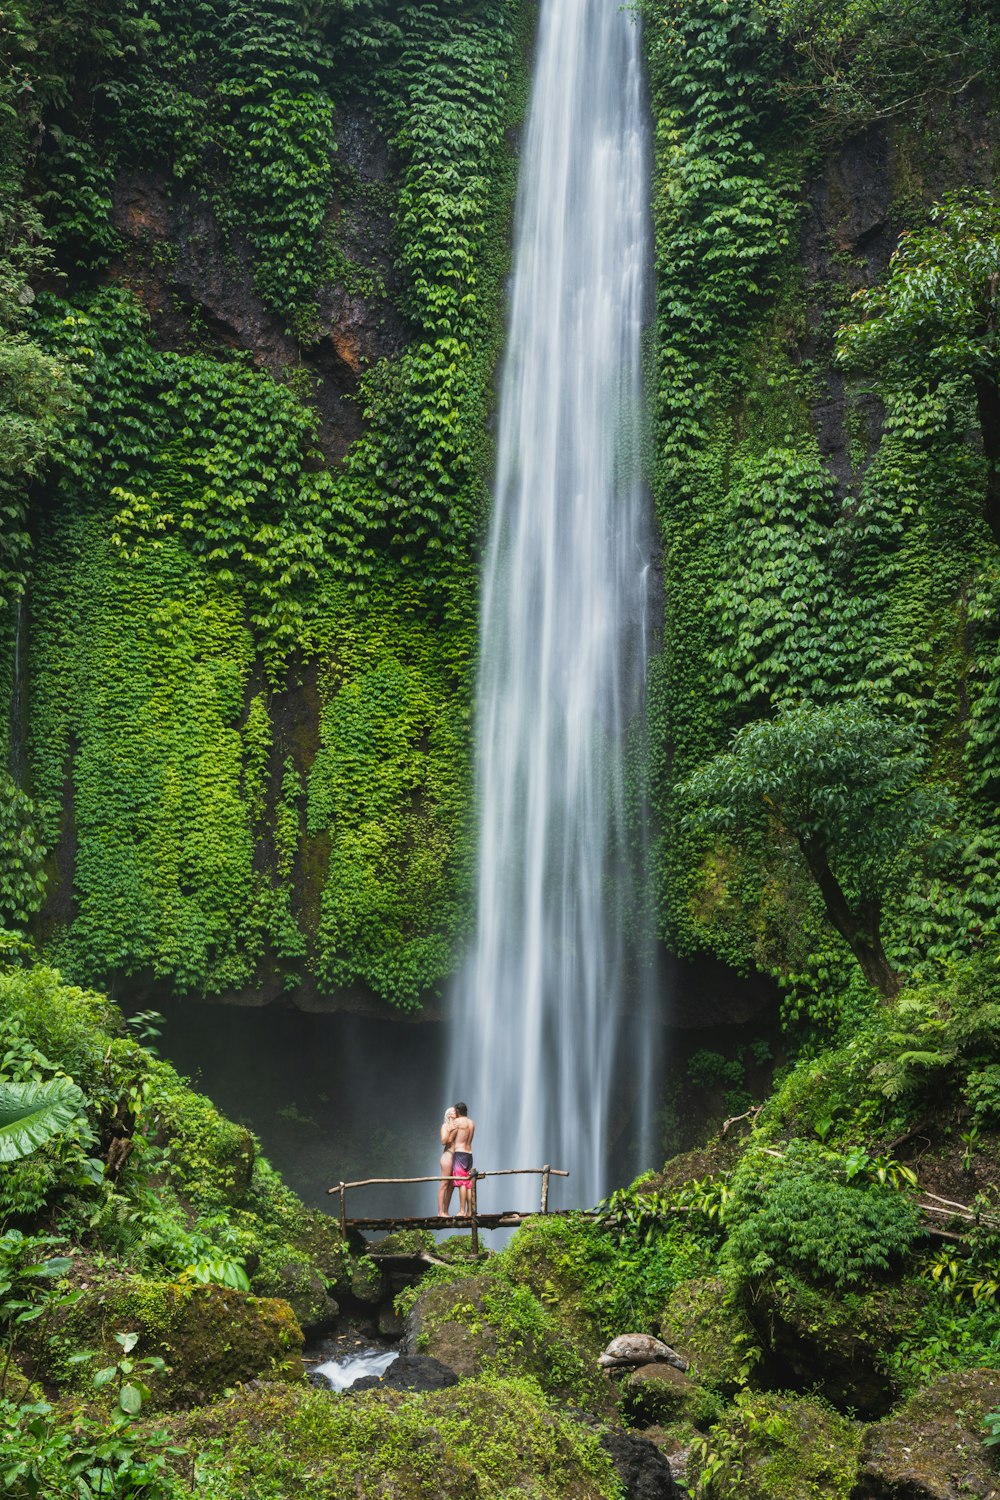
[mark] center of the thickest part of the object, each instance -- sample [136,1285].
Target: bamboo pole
[343,1208]
[545,1189]
[473,1205]
[395,1181]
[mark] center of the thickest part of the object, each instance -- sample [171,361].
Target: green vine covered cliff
[254,272]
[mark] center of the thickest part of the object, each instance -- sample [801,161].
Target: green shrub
[795,1212]
[778,1447]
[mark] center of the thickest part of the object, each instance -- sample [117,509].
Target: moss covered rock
[932,1447]
[702,1322]
[547,1257]
[480,1440]
[484,1324]
[837,1343]
[659,1394]
[291,1276]
[717,1155]
[210,1337]
[780,1447]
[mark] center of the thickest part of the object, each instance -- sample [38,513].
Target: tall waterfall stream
[549,1006]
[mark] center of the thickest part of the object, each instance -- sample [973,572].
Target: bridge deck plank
[508,1220]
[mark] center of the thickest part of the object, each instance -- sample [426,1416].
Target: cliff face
[245,628]
[826,510]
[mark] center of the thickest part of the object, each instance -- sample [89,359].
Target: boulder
[544,1256]
[297,1282]
[210,1337]
[643,1470]
[837,1343]
[777,1446]
[410,1372]
[710,1331]
[467,1441]
[483,1325]
[634,1349]
[448,1322]
[660,1393]
[931,1448]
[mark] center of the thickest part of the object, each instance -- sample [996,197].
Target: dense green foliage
[238,534]
[795,1213]
[249,667]
[817,549]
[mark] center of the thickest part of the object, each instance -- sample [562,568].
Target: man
[465,1129]
[448,1129]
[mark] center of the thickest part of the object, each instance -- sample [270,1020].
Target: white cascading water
[539,1031]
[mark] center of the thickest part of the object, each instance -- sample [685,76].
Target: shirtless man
[448,1129]
[465,1129]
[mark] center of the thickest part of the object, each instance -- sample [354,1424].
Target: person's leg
[447,1186]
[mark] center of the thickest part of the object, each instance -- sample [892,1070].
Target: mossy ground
[487,1439]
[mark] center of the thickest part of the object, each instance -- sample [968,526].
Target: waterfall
[542,1005]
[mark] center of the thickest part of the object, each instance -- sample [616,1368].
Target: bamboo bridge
[474,1221]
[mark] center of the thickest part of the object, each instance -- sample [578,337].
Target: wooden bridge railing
[546,1173]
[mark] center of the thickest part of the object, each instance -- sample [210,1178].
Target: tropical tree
[847,784]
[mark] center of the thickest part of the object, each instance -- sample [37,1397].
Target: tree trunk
[861,930]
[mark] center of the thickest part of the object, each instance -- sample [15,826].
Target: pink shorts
[462,1168]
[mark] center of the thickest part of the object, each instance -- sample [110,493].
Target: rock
[660,1374]
[542,1256]
[639,1349]
[482,1324]
[210,1337]
[448,1322]
[931,1448]
[366,1283]
[298,1284]
[674,1442]
[661,1393]
[710,1331]
[776,1446]
[410,1372]
[839,1344]
[644,1472]
[467,1441]
[390,1324]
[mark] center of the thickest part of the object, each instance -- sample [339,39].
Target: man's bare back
[465,1129]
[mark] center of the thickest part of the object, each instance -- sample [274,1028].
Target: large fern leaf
[32,1113]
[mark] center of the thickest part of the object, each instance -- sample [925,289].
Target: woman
[449,1125]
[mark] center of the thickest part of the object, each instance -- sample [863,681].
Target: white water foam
[342,1373]
[544,1010]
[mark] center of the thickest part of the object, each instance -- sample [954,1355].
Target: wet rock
[390,1324]
[643,1470]
[674,1442]
[410,1372]
[932,1447]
